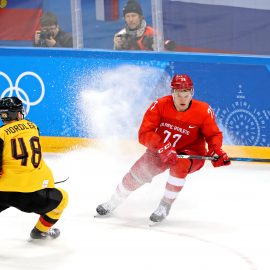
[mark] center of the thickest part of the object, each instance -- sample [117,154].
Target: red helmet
[181,82]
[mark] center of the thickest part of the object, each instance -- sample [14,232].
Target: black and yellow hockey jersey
[22,167]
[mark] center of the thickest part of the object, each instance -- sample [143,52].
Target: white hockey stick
[231,158]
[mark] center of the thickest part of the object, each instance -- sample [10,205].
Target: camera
[45,34]
[125,41]
[130,41]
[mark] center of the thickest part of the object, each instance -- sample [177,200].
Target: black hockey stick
[62,181]
[231,158]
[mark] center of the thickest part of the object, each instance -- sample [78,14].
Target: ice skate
[53,233]
[160,213]
[109,206]
[105,208]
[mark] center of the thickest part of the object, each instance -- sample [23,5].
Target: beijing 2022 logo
[241,124]
[32,88]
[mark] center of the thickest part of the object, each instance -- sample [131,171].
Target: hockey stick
[62,181]
[231,158]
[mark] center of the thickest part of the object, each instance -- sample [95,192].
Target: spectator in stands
[50,34]
[136,35]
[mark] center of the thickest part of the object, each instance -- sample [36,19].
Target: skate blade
[40,240]
[34,240]
[102,216]
[30,239]
[154,224]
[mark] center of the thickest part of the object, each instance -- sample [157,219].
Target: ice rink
[220,221]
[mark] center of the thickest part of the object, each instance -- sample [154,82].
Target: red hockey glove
[167,154]
[221,158]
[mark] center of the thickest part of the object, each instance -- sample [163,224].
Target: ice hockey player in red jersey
[174,124]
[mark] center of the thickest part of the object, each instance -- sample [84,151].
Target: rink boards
[81,96]
[64,144]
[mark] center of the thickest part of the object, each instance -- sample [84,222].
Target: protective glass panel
[218,26]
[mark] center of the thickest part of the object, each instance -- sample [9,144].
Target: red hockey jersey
[188,130]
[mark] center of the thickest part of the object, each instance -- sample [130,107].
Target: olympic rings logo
[19,92]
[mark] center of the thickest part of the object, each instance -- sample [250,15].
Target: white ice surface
[220,221]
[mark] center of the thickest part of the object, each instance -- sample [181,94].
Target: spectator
[136,35]
[51,34]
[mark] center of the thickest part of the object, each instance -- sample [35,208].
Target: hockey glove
[167,154]
[221,158]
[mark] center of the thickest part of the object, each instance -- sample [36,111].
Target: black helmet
[132,6]
[9,108]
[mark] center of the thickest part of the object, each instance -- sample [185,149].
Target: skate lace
[161,210]
[111,204]
[107,206]
[52,232]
